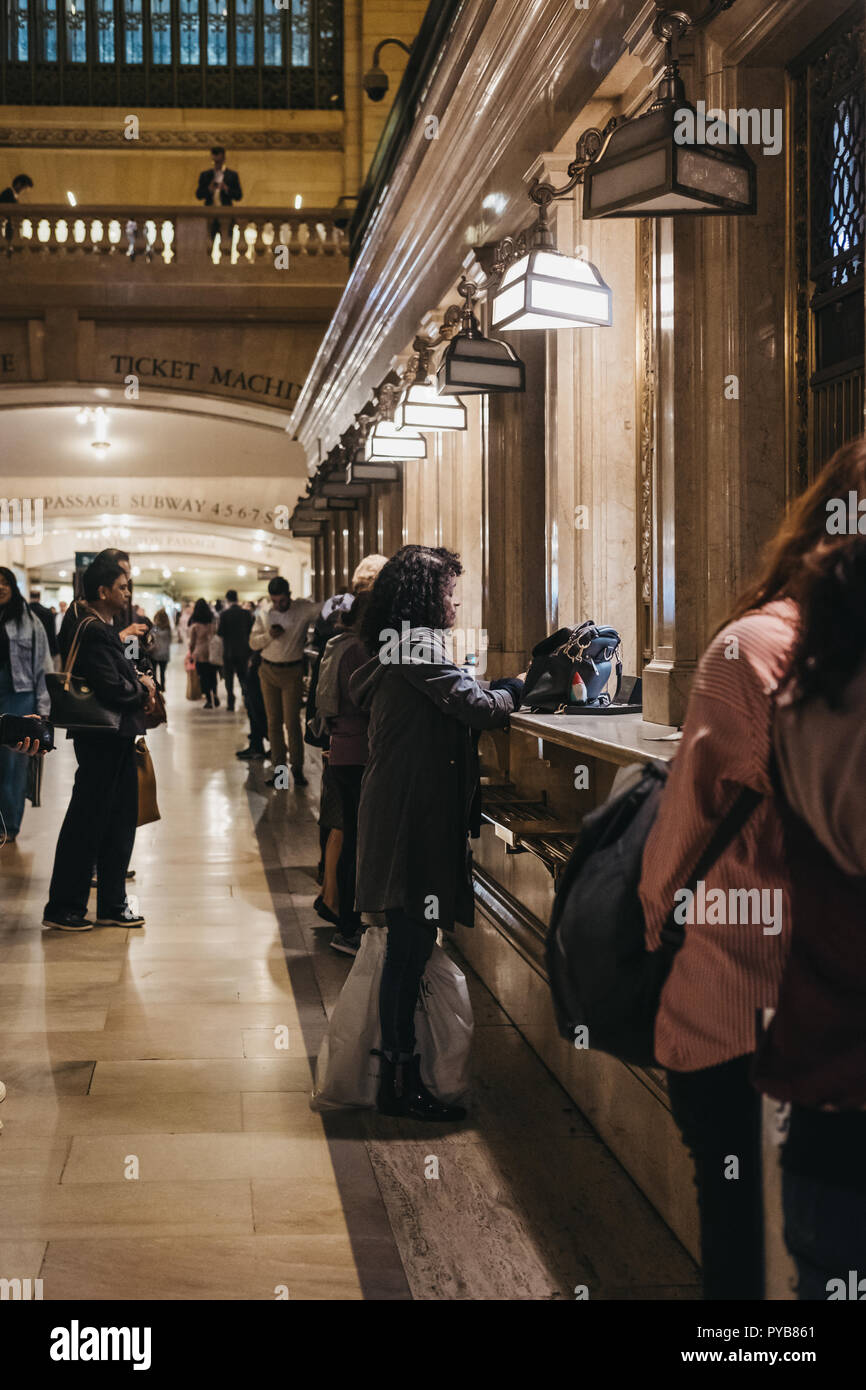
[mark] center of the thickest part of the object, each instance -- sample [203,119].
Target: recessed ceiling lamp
[475,365]
[420,406]
[538,286]
[660,164]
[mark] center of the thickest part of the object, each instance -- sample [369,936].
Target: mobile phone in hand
[15,728]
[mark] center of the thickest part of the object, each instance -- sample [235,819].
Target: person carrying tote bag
[100,823]
[148,807]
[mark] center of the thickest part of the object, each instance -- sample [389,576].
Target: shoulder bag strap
[673,933]
[72,654]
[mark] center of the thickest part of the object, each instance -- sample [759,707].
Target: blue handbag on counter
[571,670]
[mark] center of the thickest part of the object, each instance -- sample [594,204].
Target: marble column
[514,483]
[719,474]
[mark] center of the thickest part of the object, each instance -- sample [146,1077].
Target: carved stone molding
[646,428]
[64,137]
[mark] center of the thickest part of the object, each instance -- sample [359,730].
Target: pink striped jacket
[727,970]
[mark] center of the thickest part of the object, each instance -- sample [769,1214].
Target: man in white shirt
[279,633]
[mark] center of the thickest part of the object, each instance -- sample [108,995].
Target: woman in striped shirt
[736,943]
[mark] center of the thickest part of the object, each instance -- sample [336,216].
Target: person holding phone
[280,635]
[100,823]
[24,659]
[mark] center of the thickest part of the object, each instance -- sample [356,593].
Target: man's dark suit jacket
[229,193]
[8,195]
[234,628]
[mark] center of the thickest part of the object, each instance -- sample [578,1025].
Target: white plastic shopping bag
[346,1074]
[443,1028]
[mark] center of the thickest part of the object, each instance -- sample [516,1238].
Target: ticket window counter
[539,778]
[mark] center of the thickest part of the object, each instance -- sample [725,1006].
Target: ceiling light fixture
[475,365]
[384,442]
[536,285]
[420,406]
[655,165]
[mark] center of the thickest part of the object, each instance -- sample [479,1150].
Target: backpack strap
[673,932]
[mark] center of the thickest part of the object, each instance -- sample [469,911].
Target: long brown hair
[825,574]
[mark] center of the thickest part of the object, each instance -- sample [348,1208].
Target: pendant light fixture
[660,164]
[357,467]
[475,365]
[385,443]
[421,407]
[538,286]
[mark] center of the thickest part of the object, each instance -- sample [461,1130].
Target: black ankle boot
[417,1102]
[388,1101]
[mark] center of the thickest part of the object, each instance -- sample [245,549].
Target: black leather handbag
[584,655]
[73,702]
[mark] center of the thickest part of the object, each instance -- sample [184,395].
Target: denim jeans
[13,766]
[410,945]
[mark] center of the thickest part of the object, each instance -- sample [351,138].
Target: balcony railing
[186,237]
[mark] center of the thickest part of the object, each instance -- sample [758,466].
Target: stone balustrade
[186,237]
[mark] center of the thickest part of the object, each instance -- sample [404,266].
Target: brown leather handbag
[148,810]
[158,714]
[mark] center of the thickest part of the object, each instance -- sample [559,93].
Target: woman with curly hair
[419,794]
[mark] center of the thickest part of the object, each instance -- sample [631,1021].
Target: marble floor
[157,1144]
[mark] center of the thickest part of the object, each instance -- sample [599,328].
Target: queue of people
[775,708]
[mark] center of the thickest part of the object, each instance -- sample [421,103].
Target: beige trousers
[282,688]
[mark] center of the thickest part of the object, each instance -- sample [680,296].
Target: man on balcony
[218,184]
[12,194]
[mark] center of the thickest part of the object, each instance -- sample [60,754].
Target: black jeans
[255,709]
[348,782]
[718,1113]
[207,675]
[410,945]
[99,827]
[159,667]
[824,1201]
[234,665]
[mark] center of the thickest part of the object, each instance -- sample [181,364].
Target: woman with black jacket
[100,823]
[420,794]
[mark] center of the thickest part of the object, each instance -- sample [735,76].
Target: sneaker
[124,918]
[348,945]
[66,921]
